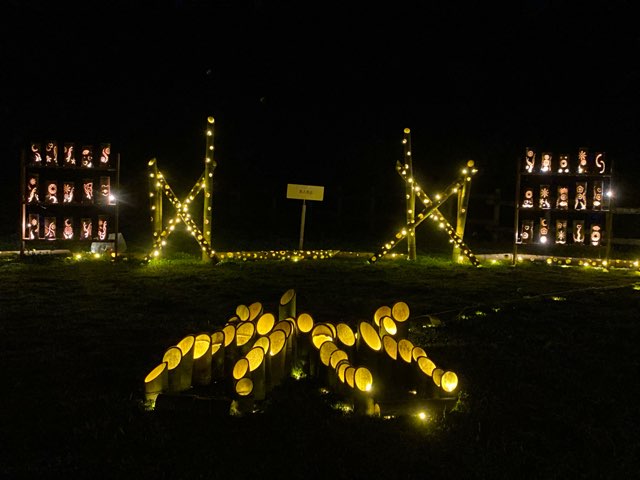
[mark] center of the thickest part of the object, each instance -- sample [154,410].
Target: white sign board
[305,192]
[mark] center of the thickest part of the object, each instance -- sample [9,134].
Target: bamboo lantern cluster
[461,187]
[256,350]
[290,255]
[160,188]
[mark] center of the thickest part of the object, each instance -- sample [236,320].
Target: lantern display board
[563,204]
[68,196]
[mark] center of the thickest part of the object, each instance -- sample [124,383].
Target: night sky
[319,92]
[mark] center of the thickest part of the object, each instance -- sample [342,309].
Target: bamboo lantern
[346,338]
[241,368]
[368,345]
[350,376]
[172,357]
[363,380]
[242,312]
[384,311]
[321,333]
[404,367]
[265,324]
[244,334]
[202,360]
[449,382]
[425,384]
[437,376]
[335,359]
[231,353]
[265,344]
[155,383]
[257,369]
[243,403]
[387,326]
[417,352]
[324,352]
[304,324]
[288,328]
[255,310]
[278,356]
[186,346]
[217,355]
[400,314]
[388,365]
[287,306]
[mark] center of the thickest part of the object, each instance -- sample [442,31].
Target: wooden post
[209,167]
[411,197]
[155,194]
[463,206]
[23,200]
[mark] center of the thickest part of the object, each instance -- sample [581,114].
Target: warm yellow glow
[350,376]
[172,356]
[449,382]
[341,368]
[255,310]
[264,343]
[345,334]
[255,357]
[406,130]
[242,311]
[369,336]
[287,296]
[318,337]
[244,387]
[241,368]
[426,365]
[277,341]
[388,326]
[229,332]
[285,326]
[210,119]
[326,349]
[422,416]
[418,352]
[156,372]
[363,379]
[390,346]
[304,322]
[202,345]
[336,357]
[265,323]
[244,333]
[437,376]
[405,347]
[383,311]
[186,344]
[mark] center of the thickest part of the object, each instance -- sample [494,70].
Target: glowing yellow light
[209,133]
[363,379]
[210,119]
[78,256]
[449,382]
[422,416]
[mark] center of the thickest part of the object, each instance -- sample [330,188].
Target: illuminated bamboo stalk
[463,206]
[209,167]
[411,197]
[155,383]
[278,355]
[202,360]
[287,305]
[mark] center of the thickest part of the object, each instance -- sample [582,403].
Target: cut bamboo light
[248,358]
[287,306]
[155,383]
[202,360]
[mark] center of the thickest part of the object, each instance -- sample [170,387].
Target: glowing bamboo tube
[265,344]
[368,347]
[278,354]
[202,360]
[155,383]
[436,376]
[186,364]
[449,382]
[417,352]
[287,306]
[384,311]
[388,366]
[400,314]
[326,373]
[243,402]
[363,400]
[244,334]
[404,368]
[346,338]
[321,333]
[304,324]
[217,355]
[242,311]
[425,386]
[255,310]
[288,327]
[265,323]
[172,357]
[388,327]
[258,373]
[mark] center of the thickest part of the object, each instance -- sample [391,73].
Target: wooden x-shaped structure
[461,186]
[160,188]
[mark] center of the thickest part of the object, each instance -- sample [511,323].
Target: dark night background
[317,93]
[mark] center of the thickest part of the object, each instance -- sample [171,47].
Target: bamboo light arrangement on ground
[460,186]
[370,366]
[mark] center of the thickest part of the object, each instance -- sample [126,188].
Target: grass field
[547,359]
